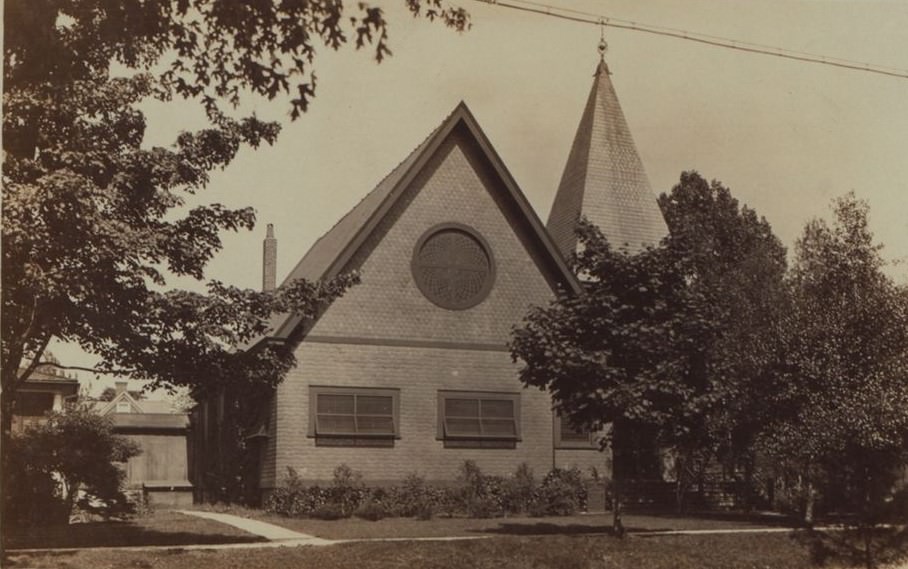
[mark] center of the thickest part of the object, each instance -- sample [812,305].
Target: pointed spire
[604,178]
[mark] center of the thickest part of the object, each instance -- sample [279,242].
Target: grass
[597,524]
[158,528]
[513,543]
[752,551]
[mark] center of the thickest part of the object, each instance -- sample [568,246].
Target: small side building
[160,471]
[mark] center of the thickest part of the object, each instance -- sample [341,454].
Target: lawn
[763,551]
[158,528]
[596,524]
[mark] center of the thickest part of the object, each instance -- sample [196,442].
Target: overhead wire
[716,41]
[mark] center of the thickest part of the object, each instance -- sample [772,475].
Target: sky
[785,137]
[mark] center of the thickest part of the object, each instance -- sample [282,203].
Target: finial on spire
[603,45]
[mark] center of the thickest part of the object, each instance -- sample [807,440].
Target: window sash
[359,423]
[570,438]
[490,416]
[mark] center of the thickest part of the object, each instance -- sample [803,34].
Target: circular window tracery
[453,267]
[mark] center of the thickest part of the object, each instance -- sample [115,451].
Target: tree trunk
[868,547]
[617,524]
[809,502]
[6,424]
[747,491]
[69,499]
[680,483]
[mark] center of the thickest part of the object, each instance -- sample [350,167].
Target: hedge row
[561,492]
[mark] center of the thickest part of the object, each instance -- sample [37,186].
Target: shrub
[480,496]
[556,499]
[329,512]
[372,511]
[348,490]
[561,493]
[425,510]
[67,462]
[519,489]
[295,499]
[412,495]
[444,501]
[483,507]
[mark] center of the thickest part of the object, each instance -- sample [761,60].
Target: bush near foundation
[64,465]
[561,493]
[477,495]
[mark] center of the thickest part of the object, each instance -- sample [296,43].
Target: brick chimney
[269,264]
[120,386]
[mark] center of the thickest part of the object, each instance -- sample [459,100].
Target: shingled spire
[604,178]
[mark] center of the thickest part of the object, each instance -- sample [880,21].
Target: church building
[409,371]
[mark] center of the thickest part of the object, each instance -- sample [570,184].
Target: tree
[664,341]
[618,353]
[68,460]
[841,386]
[94,222]
[737,262]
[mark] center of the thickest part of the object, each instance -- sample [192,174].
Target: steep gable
[332,253]
[120,401]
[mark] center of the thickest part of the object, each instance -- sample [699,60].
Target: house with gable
[48,389]
[409,371]
[161,470]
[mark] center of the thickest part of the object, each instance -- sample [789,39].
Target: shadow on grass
[543,528]
[113,534]
[757,518]
[647,521]
[867,547]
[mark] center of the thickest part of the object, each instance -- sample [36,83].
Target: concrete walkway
[270,532]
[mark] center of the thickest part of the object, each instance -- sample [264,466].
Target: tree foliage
[668,344]
[840,391]
[68,460]
[618,351]
[649,340]
[95,221]
[735,261]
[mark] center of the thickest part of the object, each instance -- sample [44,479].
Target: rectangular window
[478,420]
[353,416]
[33,403]
[567,436]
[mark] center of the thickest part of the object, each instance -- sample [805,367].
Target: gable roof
[150,421]
[105,408]
[138,406]
[47,378]
[329,254]
[604,179]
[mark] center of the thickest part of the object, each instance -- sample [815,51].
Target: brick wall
[387,312]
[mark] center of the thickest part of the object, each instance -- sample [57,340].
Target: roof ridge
[366,196]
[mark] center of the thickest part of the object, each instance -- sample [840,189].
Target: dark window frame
[560,442]
[491,441]
[325,437]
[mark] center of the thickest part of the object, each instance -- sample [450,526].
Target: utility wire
[605,21]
